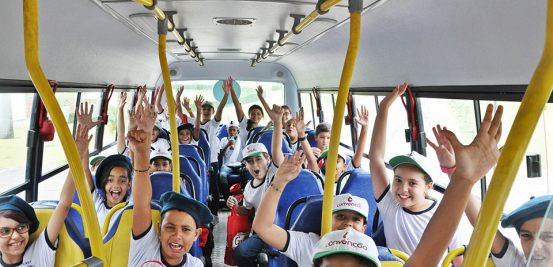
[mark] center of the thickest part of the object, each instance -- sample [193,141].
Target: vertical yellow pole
[162,42]
[527,117]
[343,91]
[30,14]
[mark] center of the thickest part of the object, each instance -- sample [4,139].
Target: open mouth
[16,245]
[115,194]
[256,172]
[538,257]
[403,197]
[175,247]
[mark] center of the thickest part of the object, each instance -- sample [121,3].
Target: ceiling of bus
[424,42]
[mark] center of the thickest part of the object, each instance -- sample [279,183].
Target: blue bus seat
[360,184]
[304,185]
[202,169]
[266,138]
[311,137]
[191,150]
[72,246]
[204,144]
[163,182]
[252,133]
[187,169]
[222,131]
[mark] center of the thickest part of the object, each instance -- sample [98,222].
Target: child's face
[410,188]
[155,134]
[232,131]
[160,164]
[343,219]
[541,242]
[177,233]
[257,166]
[207,112]
[286,116]
[256,116]
[291,129]
[13,246]
[340,168]
[185,137]
[323,140]
[117,185]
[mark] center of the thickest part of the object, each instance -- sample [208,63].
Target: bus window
[457,116]
[273,93]
[15,115]
[369,102]
[53,151]
[395,134]
[94,98]
[50,189]
[327,107]
[110,130]
[309,114]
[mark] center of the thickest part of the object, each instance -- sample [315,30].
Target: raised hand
[132,119]
[145,117]
[291,166]
[179,93]
[84,116]
[186,103]
[122,100]
[198,102]
[259,91]
[300,123]
[276,113]
[316,151]
[362,116]
[443,148]
[391,97]
[227,85]
[82,140]
[474,161]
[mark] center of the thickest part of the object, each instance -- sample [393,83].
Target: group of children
[413,222]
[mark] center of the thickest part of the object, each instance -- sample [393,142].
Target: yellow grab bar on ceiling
[175,162]
[533,103]
[90,219]
[356,7]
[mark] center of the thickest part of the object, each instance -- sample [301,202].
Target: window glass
[94,98]
[110,129]
[327,107]
[54,156]
[395,132]
[273,93]
[51,188]
[15,116]
[369,102]
[540,144]
[309,113]
[457,115]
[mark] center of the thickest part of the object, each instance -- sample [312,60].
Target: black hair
[115,164]
[323,127]
[360,260]
[286,107]
[16,216]
[249,122]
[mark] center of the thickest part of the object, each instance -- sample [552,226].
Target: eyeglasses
[8,231]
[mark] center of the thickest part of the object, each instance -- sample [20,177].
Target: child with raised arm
[18,221]
[526,219]
[404,204]
[181,217]
[255,114]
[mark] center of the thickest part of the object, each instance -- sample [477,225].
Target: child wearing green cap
[181,217]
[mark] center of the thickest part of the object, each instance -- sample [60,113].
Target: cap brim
[332,252]
[364,216]
[402,159]
[255,154]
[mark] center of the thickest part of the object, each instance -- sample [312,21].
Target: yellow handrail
[451,255]
[532,105]
[162,42]
[343,91]
[30,14]
[111,212]
[400,254]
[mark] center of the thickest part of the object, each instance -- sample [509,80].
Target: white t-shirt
[403,229]
[102,210]
[232,155]
[161,144]
[211,128]
[41,253]
[145,251]
[163,118]
[253,195]
[300,247]
[510,256]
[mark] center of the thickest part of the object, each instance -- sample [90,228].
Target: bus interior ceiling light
[234,21]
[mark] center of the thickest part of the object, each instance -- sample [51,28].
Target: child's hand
[443,148]
[179,93]
[316,151]
[132,120]
[392,96]
[140,141]
[84,116]
[186,103]
[259,91]
[227,85]
[122,100]
[199,101]
[291,166]
[474,160]
[145,117]
[362,116]
[232,201]
[276,113]
[300,123]
[82,140]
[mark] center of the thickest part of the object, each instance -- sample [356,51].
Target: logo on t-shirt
[151,263]
[238,238]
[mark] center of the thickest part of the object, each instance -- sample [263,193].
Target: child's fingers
[496,121]
[434,146]
[486,122]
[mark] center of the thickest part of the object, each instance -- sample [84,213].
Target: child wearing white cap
[404,204]
[230,146]
[160,161]
[346,247]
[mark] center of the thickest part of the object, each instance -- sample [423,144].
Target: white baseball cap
[233,124]
[347,241]
[350,202]
[160,153]
[417,160]
[253,150]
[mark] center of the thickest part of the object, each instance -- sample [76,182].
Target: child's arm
[263,224]
[276,117]
[262,99]
[236,102]
[186,104]
[363,119]
[141,139]
[198,102]
[178,107]
[84,119]
[227,87]
[378,142]
[300,128]
[473,161]
[68,189]
[121,136]
[159,96]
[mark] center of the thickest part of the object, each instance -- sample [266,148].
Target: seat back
[311,137]
[252,133]
[222,131]
[72,246]
[190,171]
[163,182]
[192,151]
[118,239]
[304,185]
[204,144]
[266,138]
[360,184]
